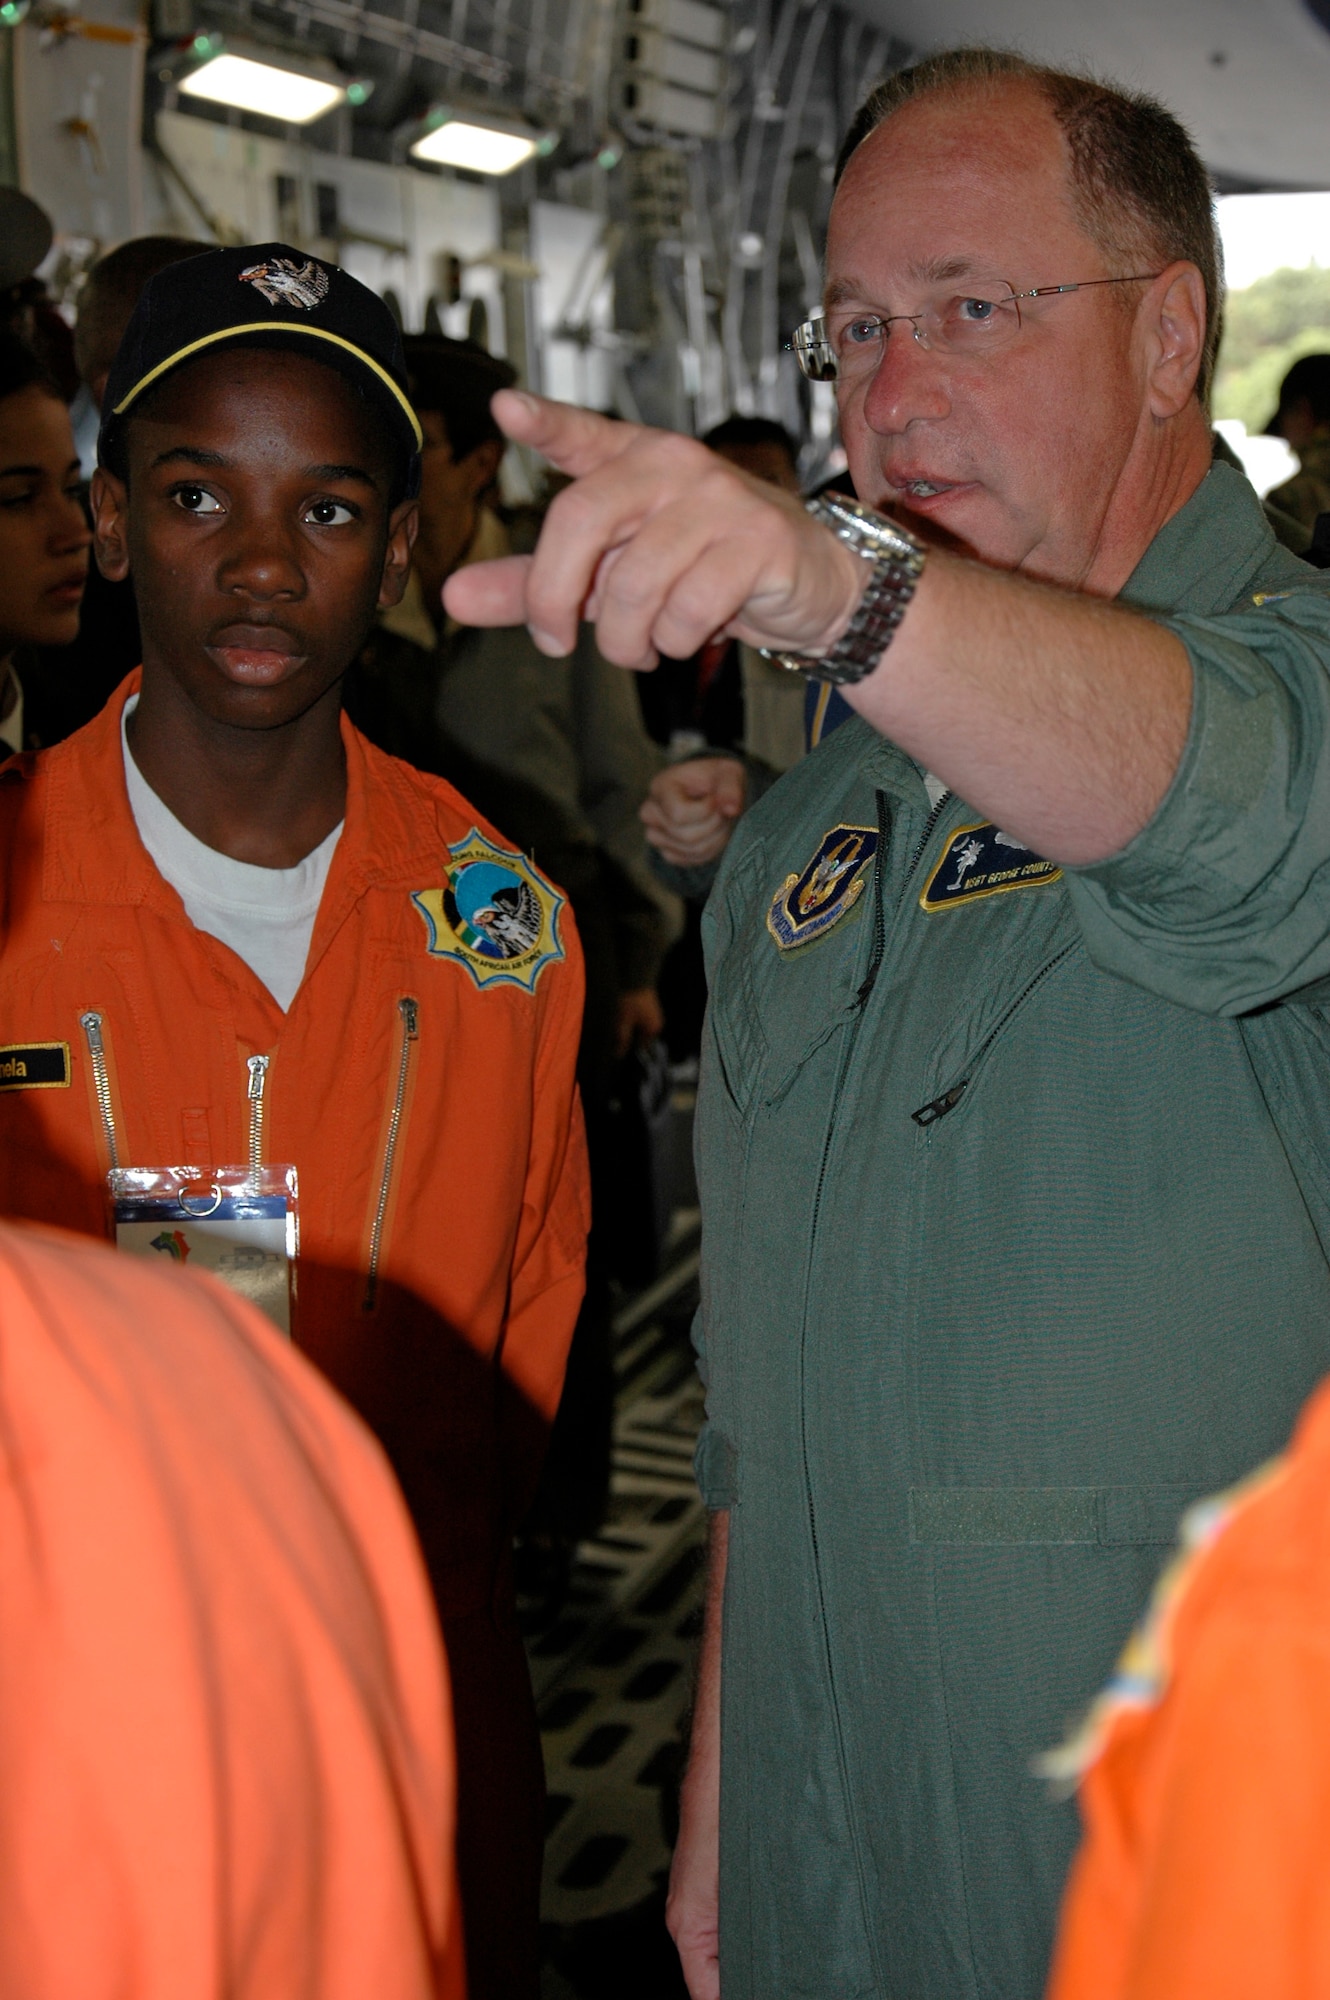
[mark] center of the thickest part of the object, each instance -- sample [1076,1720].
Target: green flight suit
[1016,1239]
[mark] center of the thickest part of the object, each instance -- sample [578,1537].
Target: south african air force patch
[495,914]
[809,903]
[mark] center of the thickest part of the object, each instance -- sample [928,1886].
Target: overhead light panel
[482,145]
[270,89]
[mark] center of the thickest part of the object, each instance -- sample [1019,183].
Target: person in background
[234,932]
[44,539]
[1302,419]
[73,685]
[109,294]
[555,754]
[225,1730]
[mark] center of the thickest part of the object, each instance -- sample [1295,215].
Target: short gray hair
[1138,183]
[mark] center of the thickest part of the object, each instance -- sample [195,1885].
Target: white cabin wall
[78,109]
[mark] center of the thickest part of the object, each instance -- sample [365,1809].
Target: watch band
[897,560]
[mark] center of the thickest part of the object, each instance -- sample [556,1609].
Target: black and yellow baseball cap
[262,294]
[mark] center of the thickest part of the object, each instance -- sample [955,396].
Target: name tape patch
[809,903]
[495,914]
[34,1066]
[983,861]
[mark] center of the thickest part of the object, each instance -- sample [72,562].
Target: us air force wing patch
[809,903]
[495,914]
[983,861]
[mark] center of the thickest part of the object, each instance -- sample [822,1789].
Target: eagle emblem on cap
[283,282]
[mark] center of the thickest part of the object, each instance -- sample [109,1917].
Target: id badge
[241,1225]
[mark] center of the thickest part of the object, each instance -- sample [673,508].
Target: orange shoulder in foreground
[1205,1869]
[226,1765]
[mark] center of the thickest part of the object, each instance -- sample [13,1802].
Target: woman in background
[44,537]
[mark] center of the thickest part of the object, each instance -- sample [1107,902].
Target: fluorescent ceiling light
[294,96]
[483,148]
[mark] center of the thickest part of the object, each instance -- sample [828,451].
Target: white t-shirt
[266,915]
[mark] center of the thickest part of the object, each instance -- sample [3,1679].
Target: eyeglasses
[844,346]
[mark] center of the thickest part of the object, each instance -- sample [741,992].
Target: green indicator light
[359,92]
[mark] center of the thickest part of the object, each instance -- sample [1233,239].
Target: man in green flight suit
[1014,1132]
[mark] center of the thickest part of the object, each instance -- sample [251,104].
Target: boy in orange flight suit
[1205,1765]
[257,969]
[224,1729]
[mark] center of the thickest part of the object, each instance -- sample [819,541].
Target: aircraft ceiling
[1251,78]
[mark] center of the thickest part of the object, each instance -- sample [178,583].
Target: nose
[261,561]
[69,532]
[908,386]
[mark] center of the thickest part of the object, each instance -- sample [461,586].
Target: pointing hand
[661,544]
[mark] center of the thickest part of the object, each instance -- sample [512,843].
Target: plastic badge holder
[240,1225]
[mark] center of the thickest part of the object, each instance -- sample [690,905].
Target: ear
[403,526]
[482,464]
[109,499]
[1176,319]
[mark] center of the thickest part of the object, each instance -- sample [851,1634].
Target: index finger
[575,441]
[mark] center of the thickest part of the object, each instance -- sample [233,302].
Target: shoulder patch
[495,914]
[34,1066]
[980,861]
[809,903]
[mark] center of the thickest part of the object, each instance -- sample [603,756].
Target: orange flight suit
[429,1117]
[225,1751]
[1205,1869]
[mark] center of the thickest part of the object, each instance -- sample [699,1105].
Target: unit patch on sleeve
[809,903]
[983,861]
[495,914]
[34,1066]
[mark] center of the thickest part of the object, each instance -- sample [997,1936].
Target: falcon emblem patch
[983,861]
[495,914]
[809,903]
[285,283]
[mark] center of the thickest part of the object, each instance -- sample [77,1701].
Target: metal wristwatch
[897,559]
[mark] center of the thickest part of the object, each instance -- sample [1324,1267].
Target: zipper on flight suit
[928,1114]
[408,1011]
[258,1079]
[879,903]
[91,1024]
[927,834]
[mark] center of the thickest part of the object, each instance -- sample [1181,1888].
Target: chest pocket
[1047,943]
